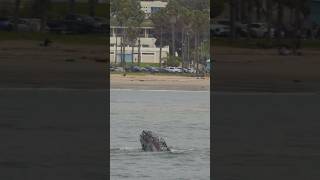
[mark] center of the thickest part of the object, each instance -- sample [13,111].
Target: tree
[40,10]
[4,9]
[218,7]
[161,25]
[128,14]
[200,24]
[72,4]
[133,33]
[16,13]
[232,18]
[172,11]
[190,25]
[92,7]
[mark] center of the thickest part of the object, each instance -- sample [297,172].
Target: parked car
[135,69]
[100,25]
[221,27]
[173,69]
[260,30]
[152,69]
[57,26]
[118,69]
[112,68]
[79,24]
[5,24]
[73,23]
[24,24]
[144,69]
[189,70]
[162,69]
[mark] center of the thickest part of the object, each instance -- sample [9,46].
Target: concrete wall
[149,53]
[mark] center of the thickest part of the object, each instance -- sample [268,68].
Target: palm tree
[217,7]
[232,5]
[159,20]
[185,15]
[133,31]
[172,11]
[72,4]
[16,13]
[92,7]
[127,13]
[200,25]
[40,9]
[269,16]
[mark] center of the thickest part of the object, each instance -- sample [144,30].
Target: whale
[150,141]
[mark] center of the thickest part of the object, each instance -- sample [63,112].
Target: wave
[128,150]
[160,90]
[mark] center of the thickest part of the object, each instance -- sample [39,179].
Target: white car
[221,28]
[189,70]
[260,30]
[173,69]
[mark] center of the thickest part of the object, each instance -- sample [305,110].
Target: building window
[155,9]
[148,54]
[145,45]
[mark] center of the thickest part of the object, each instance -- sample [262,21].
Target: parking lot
[160,70]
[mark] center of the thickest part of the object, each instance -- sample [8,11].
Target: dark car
[73,23]
[79,24]
[57,26]
[152,69]
[100,25]
[135,69]
[5,24]
[162,69]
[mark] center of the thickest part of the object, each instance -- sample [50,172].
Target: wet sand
[159,82]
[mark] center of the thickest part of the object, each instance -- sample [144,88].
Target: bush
[173,61]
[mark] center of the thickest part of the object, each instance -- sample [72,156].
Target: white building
[149,7]
[149,53]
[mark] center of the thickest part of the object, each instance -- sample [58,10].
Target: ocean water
[52,134]
[264,136]
[181,117]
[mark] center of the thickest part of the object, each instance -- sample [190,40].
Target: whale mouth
[152,142]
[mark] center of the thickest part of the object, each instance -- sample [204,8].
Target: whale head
[152,142]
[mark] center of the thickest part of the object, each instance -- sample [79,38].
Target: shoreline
[159,82]
[24,64]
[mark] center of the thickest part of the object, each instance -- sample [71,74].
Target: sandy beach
[159,82]
[26,64]
[264,70]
